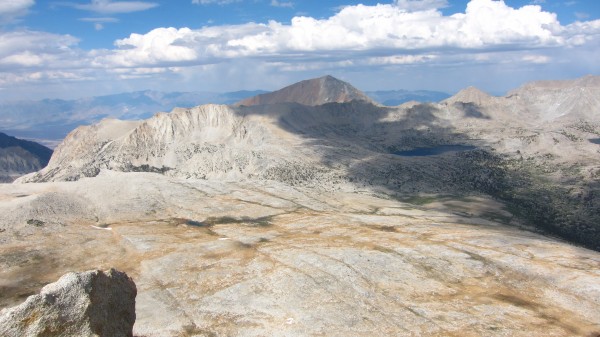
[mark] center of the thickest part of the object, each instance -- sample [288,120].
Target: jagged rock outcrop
[326,89]
[206,141]
[92,303]
[19,157]
[214,141]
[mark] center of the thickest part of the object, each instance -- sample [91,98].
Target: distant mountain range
[397,97]
[18,157]
[48,121]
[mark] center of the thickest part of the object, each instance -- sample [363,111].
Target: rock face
[92,303]
[566,102]
[19,157]
[312,92]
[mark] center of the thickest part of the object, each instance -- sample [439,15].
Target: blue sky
[71,49]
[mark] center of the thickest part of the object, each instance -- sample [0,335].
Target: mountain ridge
[19,157]
[349,145]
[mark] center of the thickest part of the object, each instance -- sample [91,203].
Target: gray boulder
[91,303]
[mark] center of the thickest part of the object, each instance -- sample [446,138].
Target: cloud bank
[486,25]
[113,7]
[10,10]
[401,33]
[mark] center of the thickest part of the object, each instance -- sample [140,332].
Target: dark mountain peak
[18,157]
[316,91]
[34,148]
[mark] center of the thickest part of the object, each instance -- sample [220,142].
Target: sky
[72,49]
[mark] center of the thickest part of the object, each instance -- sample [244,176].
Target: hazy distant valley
[318,210]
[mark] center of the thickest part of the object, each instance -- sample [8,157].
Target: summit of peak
[470,95]
[316,91]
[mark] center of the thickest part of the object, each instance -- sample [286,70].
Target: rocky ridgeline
[92,303]
[542,139]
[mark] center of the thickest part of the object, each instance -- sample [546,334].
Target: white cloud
[10,10]
[161,45]
[276,3]
[357,37]
[400,59]
[29,48]
[420,5]
[380,32]
[47,76]
[355,30]
[536,58]
[114,7]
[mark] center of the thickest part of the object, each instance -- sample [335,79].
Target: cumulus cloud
[10,10]
[161,45]
[357,30]
[30,48]
[112,7]
[420,5]
[396,34]
[39,57]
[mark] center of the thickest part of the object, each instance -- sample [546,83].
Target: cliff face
[312,92]
[19,157]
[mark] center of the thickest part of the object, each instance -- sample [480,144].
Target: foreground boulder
[91,303]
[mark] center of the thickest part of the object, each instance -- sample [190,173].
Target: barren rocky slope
[544,164]
[341,219]
[19,157]
[256,258]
